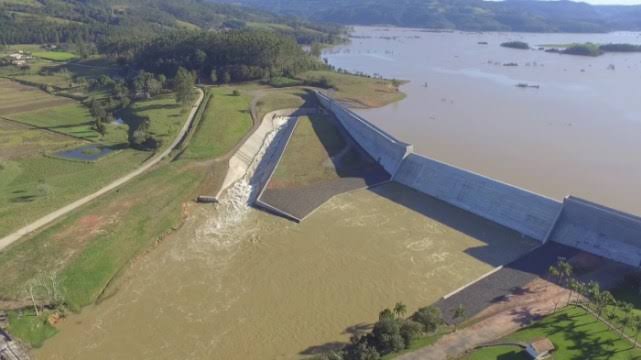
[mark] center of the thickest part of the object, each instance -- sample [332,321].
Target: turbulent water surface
[578,133]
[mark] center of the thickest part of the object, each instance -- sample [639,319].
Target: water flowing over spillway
[235,202]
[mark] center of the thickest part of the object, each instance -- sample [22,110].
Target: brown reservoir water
[577,134]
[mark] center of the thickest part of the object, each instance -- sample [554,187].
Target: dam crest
[575,222]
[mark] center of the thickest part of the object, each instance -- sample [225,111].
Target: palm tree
[458,313]
[400,310]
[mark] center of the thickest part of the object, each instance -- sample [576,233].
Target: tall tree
[458,313]
[184,85]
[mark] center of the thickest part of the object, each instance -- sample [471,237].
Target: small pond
[91,152]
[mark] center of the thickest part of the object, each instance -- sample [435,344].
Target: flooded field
[237,283]
[576,134]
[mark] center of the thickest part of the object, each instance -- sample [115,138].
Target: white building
[540,349]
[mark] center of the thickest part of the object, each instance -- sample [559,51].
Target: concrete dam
[575,222]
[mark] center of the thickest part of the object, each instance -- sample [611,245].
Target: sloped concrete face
[599,230]
[383,148]
[523,211]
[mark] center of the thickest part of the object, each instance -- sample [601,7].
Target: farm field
[34,182]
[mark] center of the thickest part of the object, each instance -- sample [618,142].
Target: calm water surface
[577,134]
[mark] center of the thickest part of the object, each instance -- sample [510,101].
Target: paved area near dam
[337,164]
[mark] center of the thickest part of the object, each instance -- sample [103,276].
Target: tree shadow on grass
[354,330]
[157,107]
[24,199]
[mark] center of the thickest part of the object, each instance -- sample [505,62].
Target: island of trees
[516,45]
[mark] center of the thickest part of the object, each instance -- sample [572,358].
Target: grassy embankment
[54,55]
[575,334]
[223,119]
[88,248]
[356,91]
[359,91]
[306,158]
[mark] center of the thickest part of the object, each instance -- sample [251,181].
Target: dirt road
[47,219]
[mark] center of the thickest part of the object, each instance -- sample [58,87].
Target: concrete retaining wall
[577,223]
[382,147]
[528,213]
[599,230]
[239,162]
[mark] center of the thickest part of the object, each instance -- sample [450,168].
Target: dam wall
[575,222]
[520,210]
[599,230]
[523,211]
[382,147]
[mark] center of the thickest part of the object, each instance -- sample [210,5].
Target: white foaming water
[223,228]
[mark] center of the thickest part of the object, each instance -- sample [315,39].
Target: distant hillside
[471,15]
[52,21]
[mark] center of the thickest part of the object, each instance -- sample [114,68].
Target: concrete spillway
[575,222]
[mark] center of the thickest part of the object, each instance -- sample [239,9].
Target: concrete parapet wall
[599,230]
[382,147]
[240,161]
[523,211]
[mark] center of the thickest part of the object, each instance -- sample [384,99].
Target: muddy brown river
[237,283]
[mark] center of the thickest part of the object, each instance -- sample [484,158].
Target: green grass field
[578,335]
[225,120]
[307,157]
[72,119]
[54,55]
[34,183]
[26,325]
[357,90]
[288,98]
[575,334]
[499,353]
[34,186]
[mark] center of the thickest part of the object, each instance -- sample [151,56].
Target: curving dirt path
[47,219]
[537,299]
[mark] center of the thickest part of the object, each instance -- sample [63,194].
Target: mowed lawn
[499,353]
[358,90]
[306,159]
[54,55]
[575,334]
[225,121]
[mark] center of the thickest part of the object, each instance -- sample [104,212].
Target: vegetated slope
[52,21]
[472,15]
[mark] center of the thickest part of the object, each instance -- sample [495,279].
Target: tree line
[224,57]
